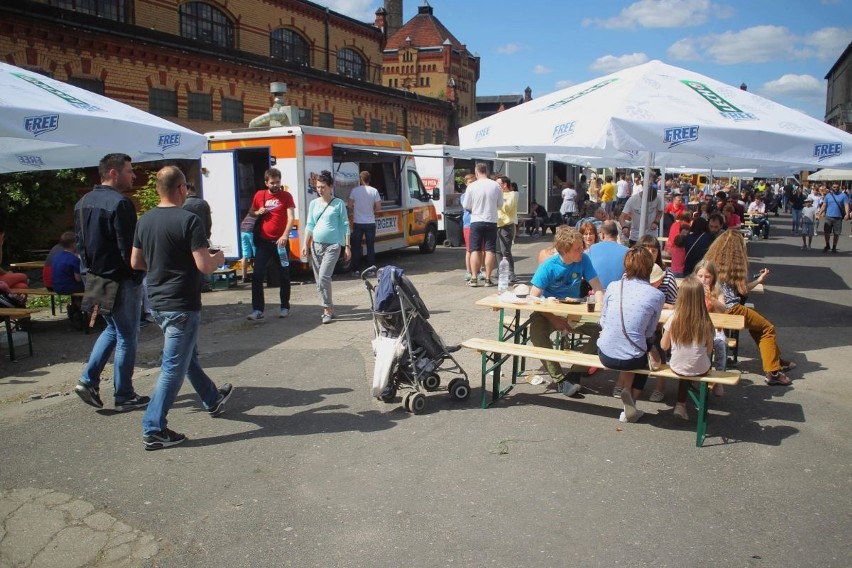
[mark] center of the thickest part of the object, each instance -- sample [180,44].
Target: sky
[781,49]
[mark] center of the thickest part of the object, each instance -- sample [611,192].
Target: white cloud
[662,14]
[563,84]
[363,10]
[827,43]
[611,63]
[510,48]
[541,69]
[760,44]
[801,87]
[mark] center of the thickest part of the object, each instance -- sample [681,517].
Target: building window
[415,135]
[390,127]
[199,106]
[351,64]
[92,85]
[232,110]
[205,23]
[110,9]
[439,137]
[427,136]
[375,125]
[359,124]
[288,45]
[326,119]
[306,116]
[162,102]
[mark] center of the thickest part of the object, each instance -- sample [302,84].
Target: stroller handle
[367,271]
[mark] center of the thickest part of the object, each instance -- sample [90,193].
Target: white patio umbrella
[47,124]
[831,174]
[665,116]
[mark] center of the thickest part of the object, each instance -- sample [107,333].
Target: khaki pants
[763,334]
[540,332]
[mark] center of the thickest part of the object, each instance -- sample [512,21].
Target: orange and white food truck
[232,171]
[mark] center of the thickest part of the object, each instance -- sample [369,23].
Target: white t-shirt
[364,198]
[753,207]
[634,208]
[809,213]
[687,360]
[484,197]
[569,201]
[621,189]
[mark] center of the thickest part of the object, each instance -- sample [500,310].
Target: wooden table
[10,314]
[29,265]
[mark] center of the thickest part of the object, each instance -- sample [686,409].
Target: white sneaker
[255,315]
[680,412]
[284,312]
[657,396]
[623,418]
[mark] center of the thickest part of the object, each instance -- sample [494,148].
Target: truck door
[229,180]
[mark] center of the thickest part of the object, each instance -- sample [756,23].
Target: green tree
[32,204]
[146,195]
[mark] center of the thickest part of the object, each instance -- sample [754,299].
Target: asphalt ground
[306,469]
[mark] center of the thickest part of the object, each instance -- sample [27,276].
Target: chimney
[393,17]
[527,95]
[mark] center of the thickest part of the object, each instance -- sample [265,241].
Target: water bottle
[283,256]
[590,302]
[503,276]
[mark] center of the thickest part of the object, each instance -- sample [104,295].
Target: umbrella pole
[645,191]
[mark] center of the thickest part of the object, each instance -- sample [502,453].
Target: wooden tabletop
[15,313]
[723,321]
[29,265]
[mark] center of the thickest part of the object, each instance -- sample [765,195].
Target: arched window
[205,23]
[289,46]
[110,9]
[351,64]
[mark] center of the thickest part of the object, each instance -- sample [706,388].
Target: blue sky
[782,49]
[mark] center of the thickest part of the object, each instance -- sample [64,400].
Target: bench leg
[10,340]
[701,420]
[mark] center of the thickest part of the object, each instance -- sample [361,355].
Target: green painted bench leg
[701,425]
[483,401]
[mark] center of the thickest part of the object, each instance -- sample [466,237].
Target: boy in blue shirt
[65,271]
[559,277]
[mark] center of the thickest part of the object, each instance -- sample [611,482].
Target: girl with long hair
[689,334]
[728,254]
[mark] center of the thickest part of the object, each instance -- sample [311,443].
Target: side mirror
[436,194]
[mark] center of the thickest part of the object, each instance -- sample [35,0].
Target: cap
[811,199]
[657,274]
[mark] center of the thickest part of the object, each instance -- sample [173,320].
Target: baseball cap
[657,274]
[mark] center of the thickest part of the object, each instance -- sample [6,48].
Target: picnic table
[28,265]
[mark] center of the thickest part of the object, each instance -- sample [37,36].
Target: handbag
[653,364]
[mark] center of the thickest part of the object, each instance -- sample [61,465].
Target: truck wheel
[430,243]
[343,266]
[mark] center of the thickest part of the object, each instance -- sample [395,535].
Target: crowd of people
[605,254]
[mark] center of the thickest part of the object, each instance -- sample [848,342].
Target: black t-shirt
[167,237]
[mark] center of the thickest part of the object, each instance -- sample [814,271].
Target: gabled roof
[425,30]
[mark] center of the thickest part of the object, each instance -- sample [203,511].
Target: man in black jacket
[104,223]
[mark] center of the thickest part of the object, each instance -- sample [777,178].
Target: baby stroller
[409,353]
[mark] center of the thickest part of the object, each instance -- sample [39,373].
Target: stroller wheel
[388,394]
[416,402]
[431,382]
[459,389]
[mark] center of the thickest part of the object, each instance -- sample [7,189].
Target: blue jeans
[265,250]
[121,335]
[368,230]
[180,359]
[797,219]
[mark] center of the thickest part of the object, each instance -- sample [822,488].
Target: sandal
[788,365]
[777,378]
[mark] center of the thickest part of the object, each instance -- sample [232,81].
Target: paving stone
[72,547]
[121,538]
[30,528]
[53,498]
[77,508]
[146,548]
[115,554]
[100,521]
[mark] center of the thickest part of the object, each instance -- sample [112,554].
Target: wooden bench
[228,276]
[55,297]
[10,315]
[495,353]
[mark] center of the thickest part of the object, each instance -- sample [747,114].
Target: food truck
[232,170]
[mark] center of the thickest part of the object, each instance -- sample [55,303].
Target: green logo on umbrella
[725,108]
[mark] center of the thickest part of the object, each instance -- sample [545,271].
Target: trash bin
[453,226]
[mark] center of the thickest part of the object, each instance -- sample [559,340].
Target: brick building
[207,65]
[423,57]
[838,94]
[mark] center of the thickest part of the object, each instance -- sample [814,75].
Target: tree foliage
[32,204]
[147,194]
